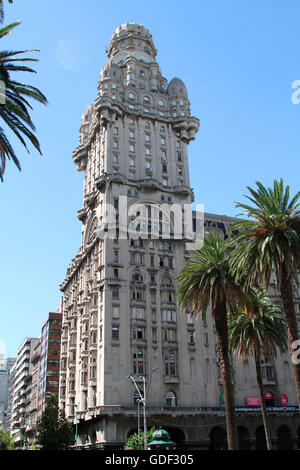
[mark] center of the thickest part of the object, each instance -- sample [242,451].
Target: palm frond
[15,110]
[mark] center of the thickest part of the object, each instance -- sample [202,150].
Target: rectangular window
[138,332]
[171,362]
[154,335]
[115,332]
[115,312]
[115,293]
[191,337]
[169,316]
[138,357]
[153,296]
[153,314]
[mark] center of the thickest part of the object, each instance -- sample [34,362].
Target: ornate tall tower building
[120,313]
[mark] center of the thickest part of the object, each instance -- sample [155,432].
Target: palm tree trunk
[289,310]
[262,401]
[220,316]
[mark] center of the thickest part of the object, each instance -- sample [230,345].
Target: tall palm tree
[206,279]
[14,108]
[259,331]
[270,242]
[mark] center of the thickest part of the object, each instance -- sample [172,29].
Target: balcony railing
[178,410]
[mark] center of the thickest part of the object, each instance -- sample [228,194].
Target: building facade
[34,378]
[45,369]
[120,313]
[21,392]
[5,368]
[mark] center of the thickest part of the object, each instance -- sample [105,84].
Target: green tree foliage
[259,332]
[133,440]
[206,280]
[15,106]
[6,441]
[54,430]
[34,446]
[269,242]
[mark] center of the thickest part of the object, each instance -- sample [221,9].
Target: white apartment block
[120,313]
[21,392]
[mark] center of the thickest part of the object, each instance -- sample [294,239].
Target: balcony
[171,379]
[190,410]
[269,381]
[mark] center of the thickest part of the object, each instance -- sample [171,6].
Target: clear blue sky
[238,59]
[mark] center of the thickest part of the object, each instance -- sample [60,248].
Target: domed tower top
[132,39]
[87,114]
[176,88]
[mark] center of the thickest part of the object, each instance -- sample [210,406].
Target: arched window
[284,438]
[167,281]
[171,399]
[218,438]
[243,435]
[137,277]
[260,439]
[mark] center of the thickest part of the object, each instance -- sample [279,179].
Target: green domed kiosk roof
[161,439]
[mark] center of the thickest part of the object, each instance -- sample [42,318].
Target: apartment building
[6,365]
[21,392]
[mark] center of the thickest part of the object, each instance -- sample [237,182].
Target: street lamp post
[139,425]
[145,424]
[143,401]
